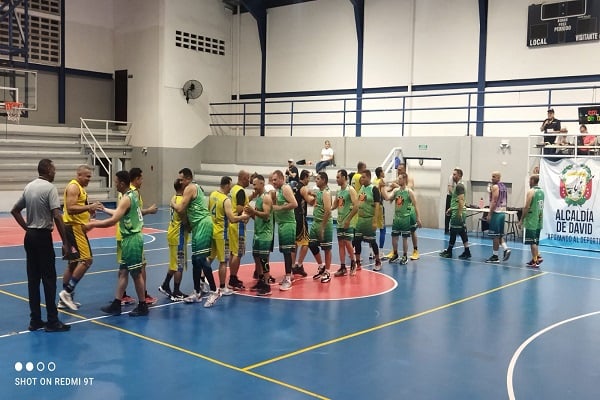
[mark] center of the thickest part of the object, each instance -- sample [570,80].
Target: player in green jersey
[284,203]
[457,217]
[129,216]
[193,205]
[346,202]
[263,234]
[321,229]
[532,219]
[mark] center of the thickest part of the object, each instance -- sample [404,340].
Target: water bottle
[481,203]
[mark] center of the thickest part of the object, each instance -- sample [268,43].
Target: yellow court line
[206,358]
[183,350]
[388,324]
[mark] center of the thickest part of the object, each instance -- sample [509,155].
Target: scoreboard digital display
[563,22]
[589,115]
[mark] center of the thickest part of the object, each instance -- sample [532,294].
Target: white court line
[515,357]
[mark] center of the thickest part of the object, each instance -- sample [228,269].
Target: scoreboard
[589,115]
[563,22]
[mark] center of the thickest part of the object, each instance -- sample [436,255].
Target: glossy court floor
[434,329]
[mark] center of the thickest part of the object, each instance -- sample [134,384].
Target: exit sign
[422,147]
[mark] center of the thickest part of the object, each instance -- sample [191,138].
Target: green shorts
[364,229]
[402,226]
[327,240]
[532,236]
[261,248]
[286,232]
[496,228]
[457,224]
[345,233]
[201,237]
[132,255]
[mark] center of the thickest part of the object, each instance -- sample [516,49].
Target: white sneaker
[195,297]
[286,284]
[68,300]
[212,299]
[225,291]
[62,306]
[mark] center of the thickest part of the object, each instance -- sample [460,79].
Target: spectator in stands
[291,173]
[326,157]
[551,124]
[584,140]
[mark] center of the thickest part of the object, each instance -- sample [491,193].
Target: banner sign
[566,21]
[571,198]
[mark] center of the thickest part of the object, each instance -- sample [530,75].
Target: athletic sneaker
[539,260]
[271,280]
[533,264]
[225,291]
[286,284]
[325,277]
[299,270]
[446,254]
[465,255]
[178,296]
[264,289]
[404,260]
[377,266]
[114,308]
[371,256]
[150,300]
[68,300]
[212,299]
[319,273]
[493,259]
[352,268]
[165,290]
[194,297]
[235,283]
[506,255]
[415,255]
[341,272]
[394,258]
[390,254]
[62,306]
[139,311]
[127,300]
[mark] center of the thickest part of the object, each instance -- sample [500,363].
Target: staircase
[22,147]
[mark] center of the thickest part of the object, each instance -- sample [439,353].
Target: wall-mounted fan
[192,89]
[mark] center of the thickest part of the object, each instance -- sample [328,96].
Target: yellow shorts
[80,241]
[173,261]
[217,250]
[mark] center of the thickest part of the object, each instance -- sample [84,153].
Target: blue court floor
[447,329]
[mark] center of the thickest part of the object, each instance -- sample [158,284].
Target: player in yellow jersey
[221,210]
[77,213]
[177,237]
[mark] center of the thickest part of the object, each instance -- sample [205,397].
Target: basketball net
[13,110]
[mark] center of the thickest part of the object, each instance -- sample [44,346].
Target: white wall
[89,39]
[510,58]
[137,36]
[189,122]
[311,47]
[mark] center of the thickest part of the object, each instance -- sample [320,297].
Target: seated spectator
[326,157]
[565,147]
[584,140]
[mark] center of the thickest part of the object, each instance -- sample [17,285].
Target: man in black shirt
[550,124]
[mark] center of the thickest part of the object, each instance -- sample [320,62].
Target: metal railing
[454,109]
[91,142]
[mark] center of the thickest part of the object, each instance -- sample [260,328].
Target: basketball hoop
[13,110]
